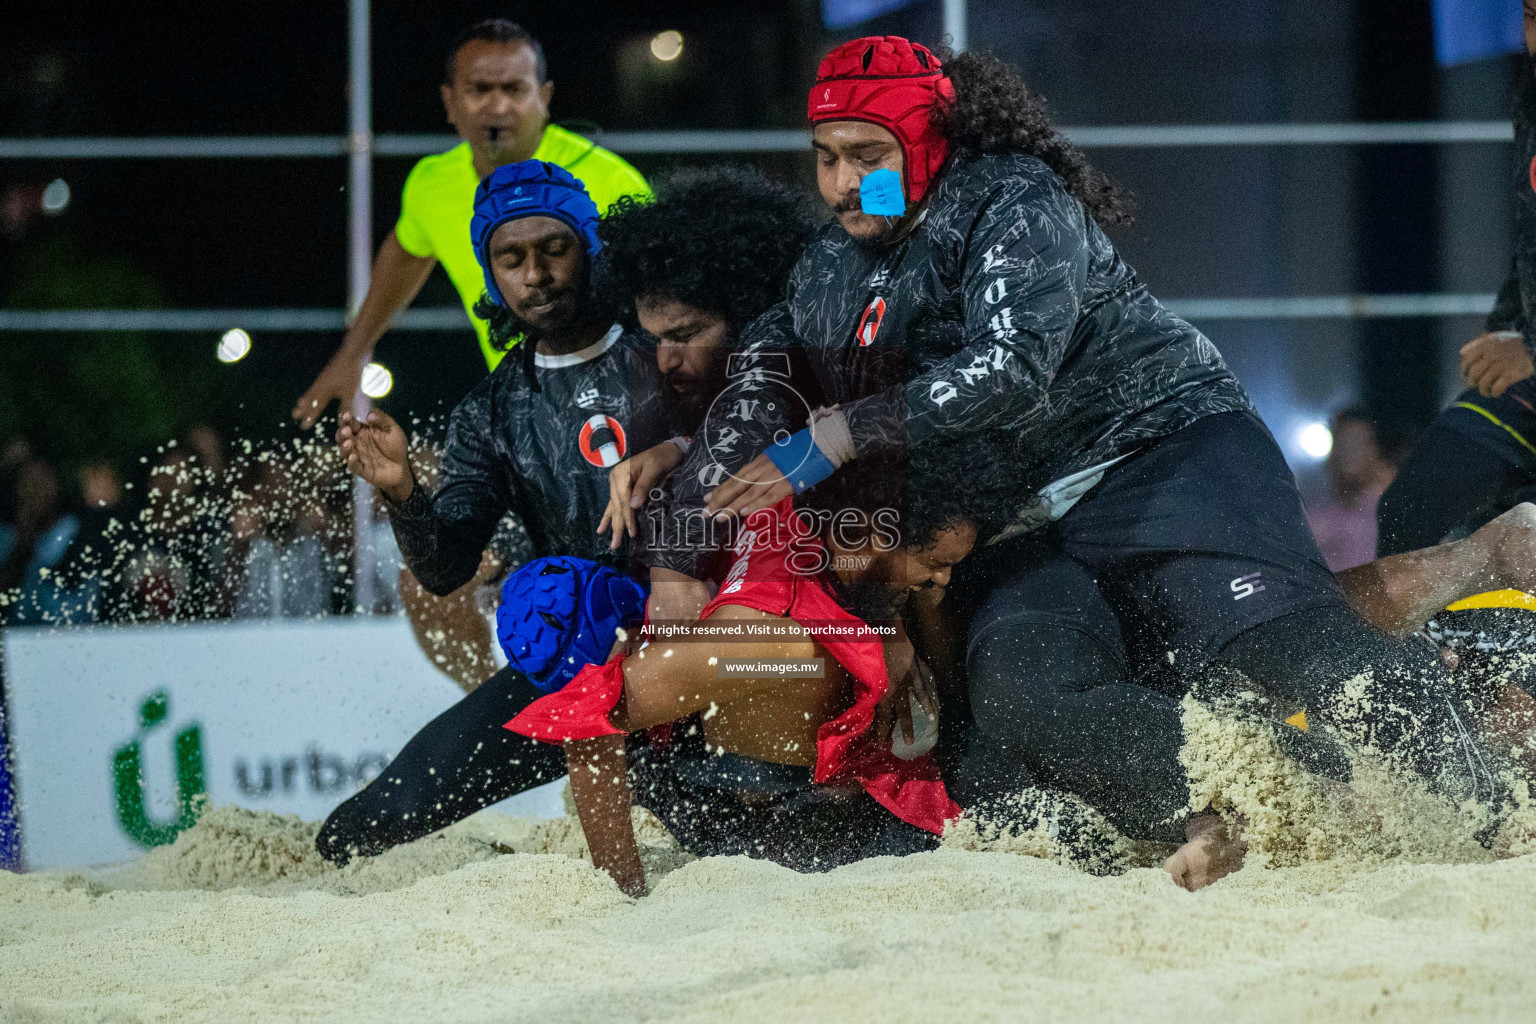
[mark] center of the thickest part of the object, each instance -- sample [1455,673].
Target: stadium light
[1315,440]
[234,346]
[377,381]
[56,197]
[668,45]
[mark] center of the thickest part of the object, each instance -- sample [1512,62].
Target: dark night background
[271,232]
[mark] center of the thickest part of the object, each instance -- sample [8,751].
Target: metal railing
[445,318]
[705,142]
[1152,136]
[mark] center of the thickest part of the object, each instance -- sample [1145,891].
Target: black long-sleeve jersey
[1006,314]
[541,454]
[1516,303]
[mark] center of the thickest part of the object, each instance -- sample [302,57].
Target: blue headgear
[559,614]
[530,188]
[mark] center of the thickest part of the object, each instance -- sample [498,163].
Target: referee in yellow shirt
[496,93]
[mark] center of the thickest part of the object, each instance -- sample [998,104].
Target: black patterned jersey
[542,455]
[1005,314]
[1014,313]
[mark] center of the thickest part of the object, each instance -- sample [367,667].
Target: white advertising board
[288,716]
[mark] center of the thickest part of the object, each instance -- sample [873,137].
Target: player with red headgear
[967,289]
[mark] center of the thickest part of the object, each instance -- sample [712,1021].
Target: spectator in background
[33,549]
[204,547]
[1478,457]
[285,541]
[99,486]
[1359,470]
[176,564]
[207,447]
[13,454]
[85,577]
[153,579]
[32,541]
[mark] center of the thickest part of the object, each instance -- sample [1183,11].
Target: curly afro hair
[722,239]
[994,112]
[935,487]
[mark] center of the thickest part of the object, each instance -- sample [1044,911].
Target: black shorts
[1476,460]
[1193,540]
[1504,426]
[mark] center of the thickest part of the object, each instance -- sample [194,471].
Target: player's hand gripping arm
[629,483]
[1023,276]
[396,278]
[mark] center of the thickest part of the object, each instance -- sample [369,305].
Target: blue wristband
[800,460]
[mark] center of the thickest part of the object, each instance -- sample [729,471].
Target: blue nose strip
[880,193]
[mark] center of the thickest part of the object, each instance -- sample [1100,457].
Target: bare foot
[1510,541]
[1215,849]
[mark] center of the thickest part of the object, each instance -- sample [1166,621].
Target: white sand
[1368,907]
[451,929]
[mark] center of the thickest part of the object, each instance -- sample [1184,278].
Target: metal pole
[359,261]
[954,24]
[360,150]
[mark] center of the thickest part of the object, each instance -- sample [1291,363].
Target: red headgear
[895,84]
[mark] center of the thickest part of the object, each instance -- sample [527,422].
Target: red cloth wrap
[763,577]
[578,710]
[894,83]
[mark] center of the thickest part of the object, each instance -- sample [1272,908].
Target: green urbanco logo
[128,776]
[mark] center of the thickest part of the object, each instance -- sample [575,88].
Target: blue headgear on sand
[530,188]
[559,614]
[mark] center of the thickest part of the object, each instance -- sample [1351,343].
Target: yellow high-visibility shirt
[439,200]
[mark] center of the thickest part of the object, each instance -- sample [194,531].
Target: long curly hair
[994,112]
[722,239]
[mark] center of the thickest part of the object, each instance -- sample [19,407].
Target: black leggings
[1449,482]
[1060,700]
[460,762]
[1189,560]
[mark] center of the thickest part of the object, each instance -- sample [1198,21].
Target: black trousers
[1188,561]
[460,762]
[1477,459]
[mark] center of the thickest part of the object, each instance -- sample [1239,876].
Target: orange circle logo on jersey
[601,441]
[869,325]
